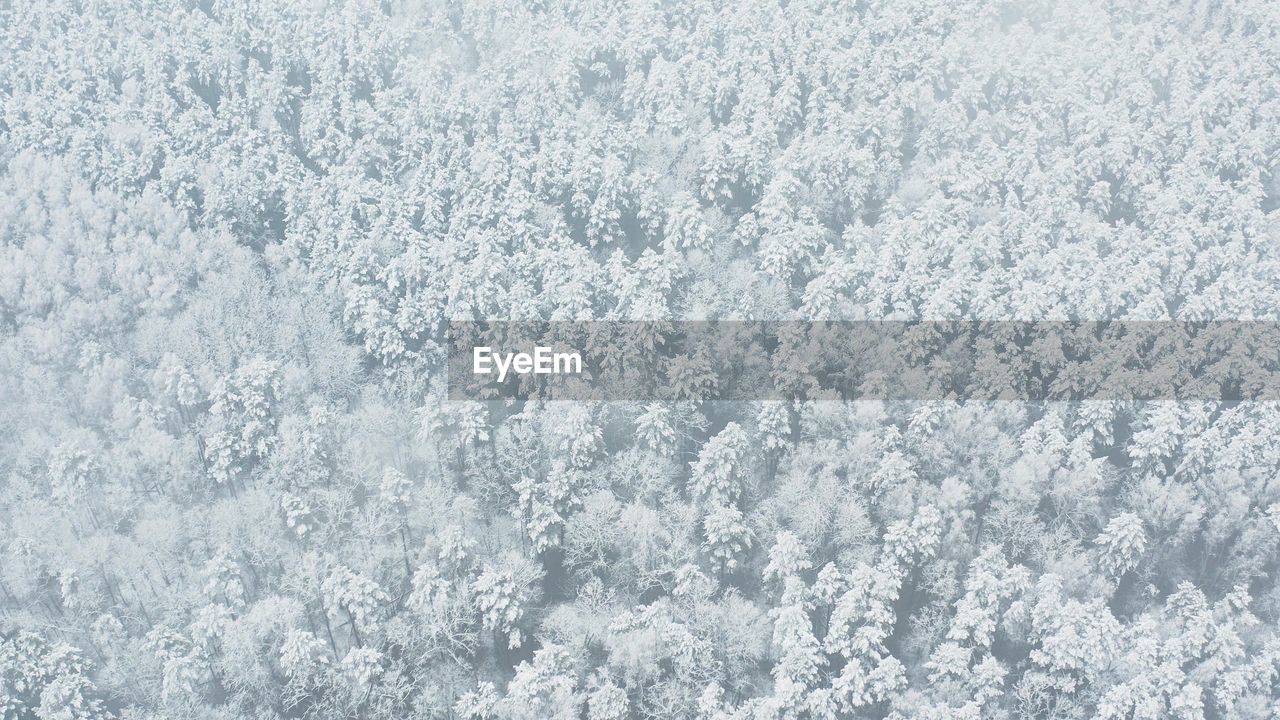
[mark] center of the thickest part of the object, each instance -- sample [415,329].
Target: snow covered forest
[232,234]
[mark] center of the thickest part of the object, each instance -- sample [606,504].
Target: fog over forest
[234,485]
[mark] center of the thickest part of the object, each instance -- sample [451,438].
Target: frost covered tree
[232,235]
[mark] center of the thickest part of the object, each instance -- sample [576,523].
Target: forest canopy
[232,235]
